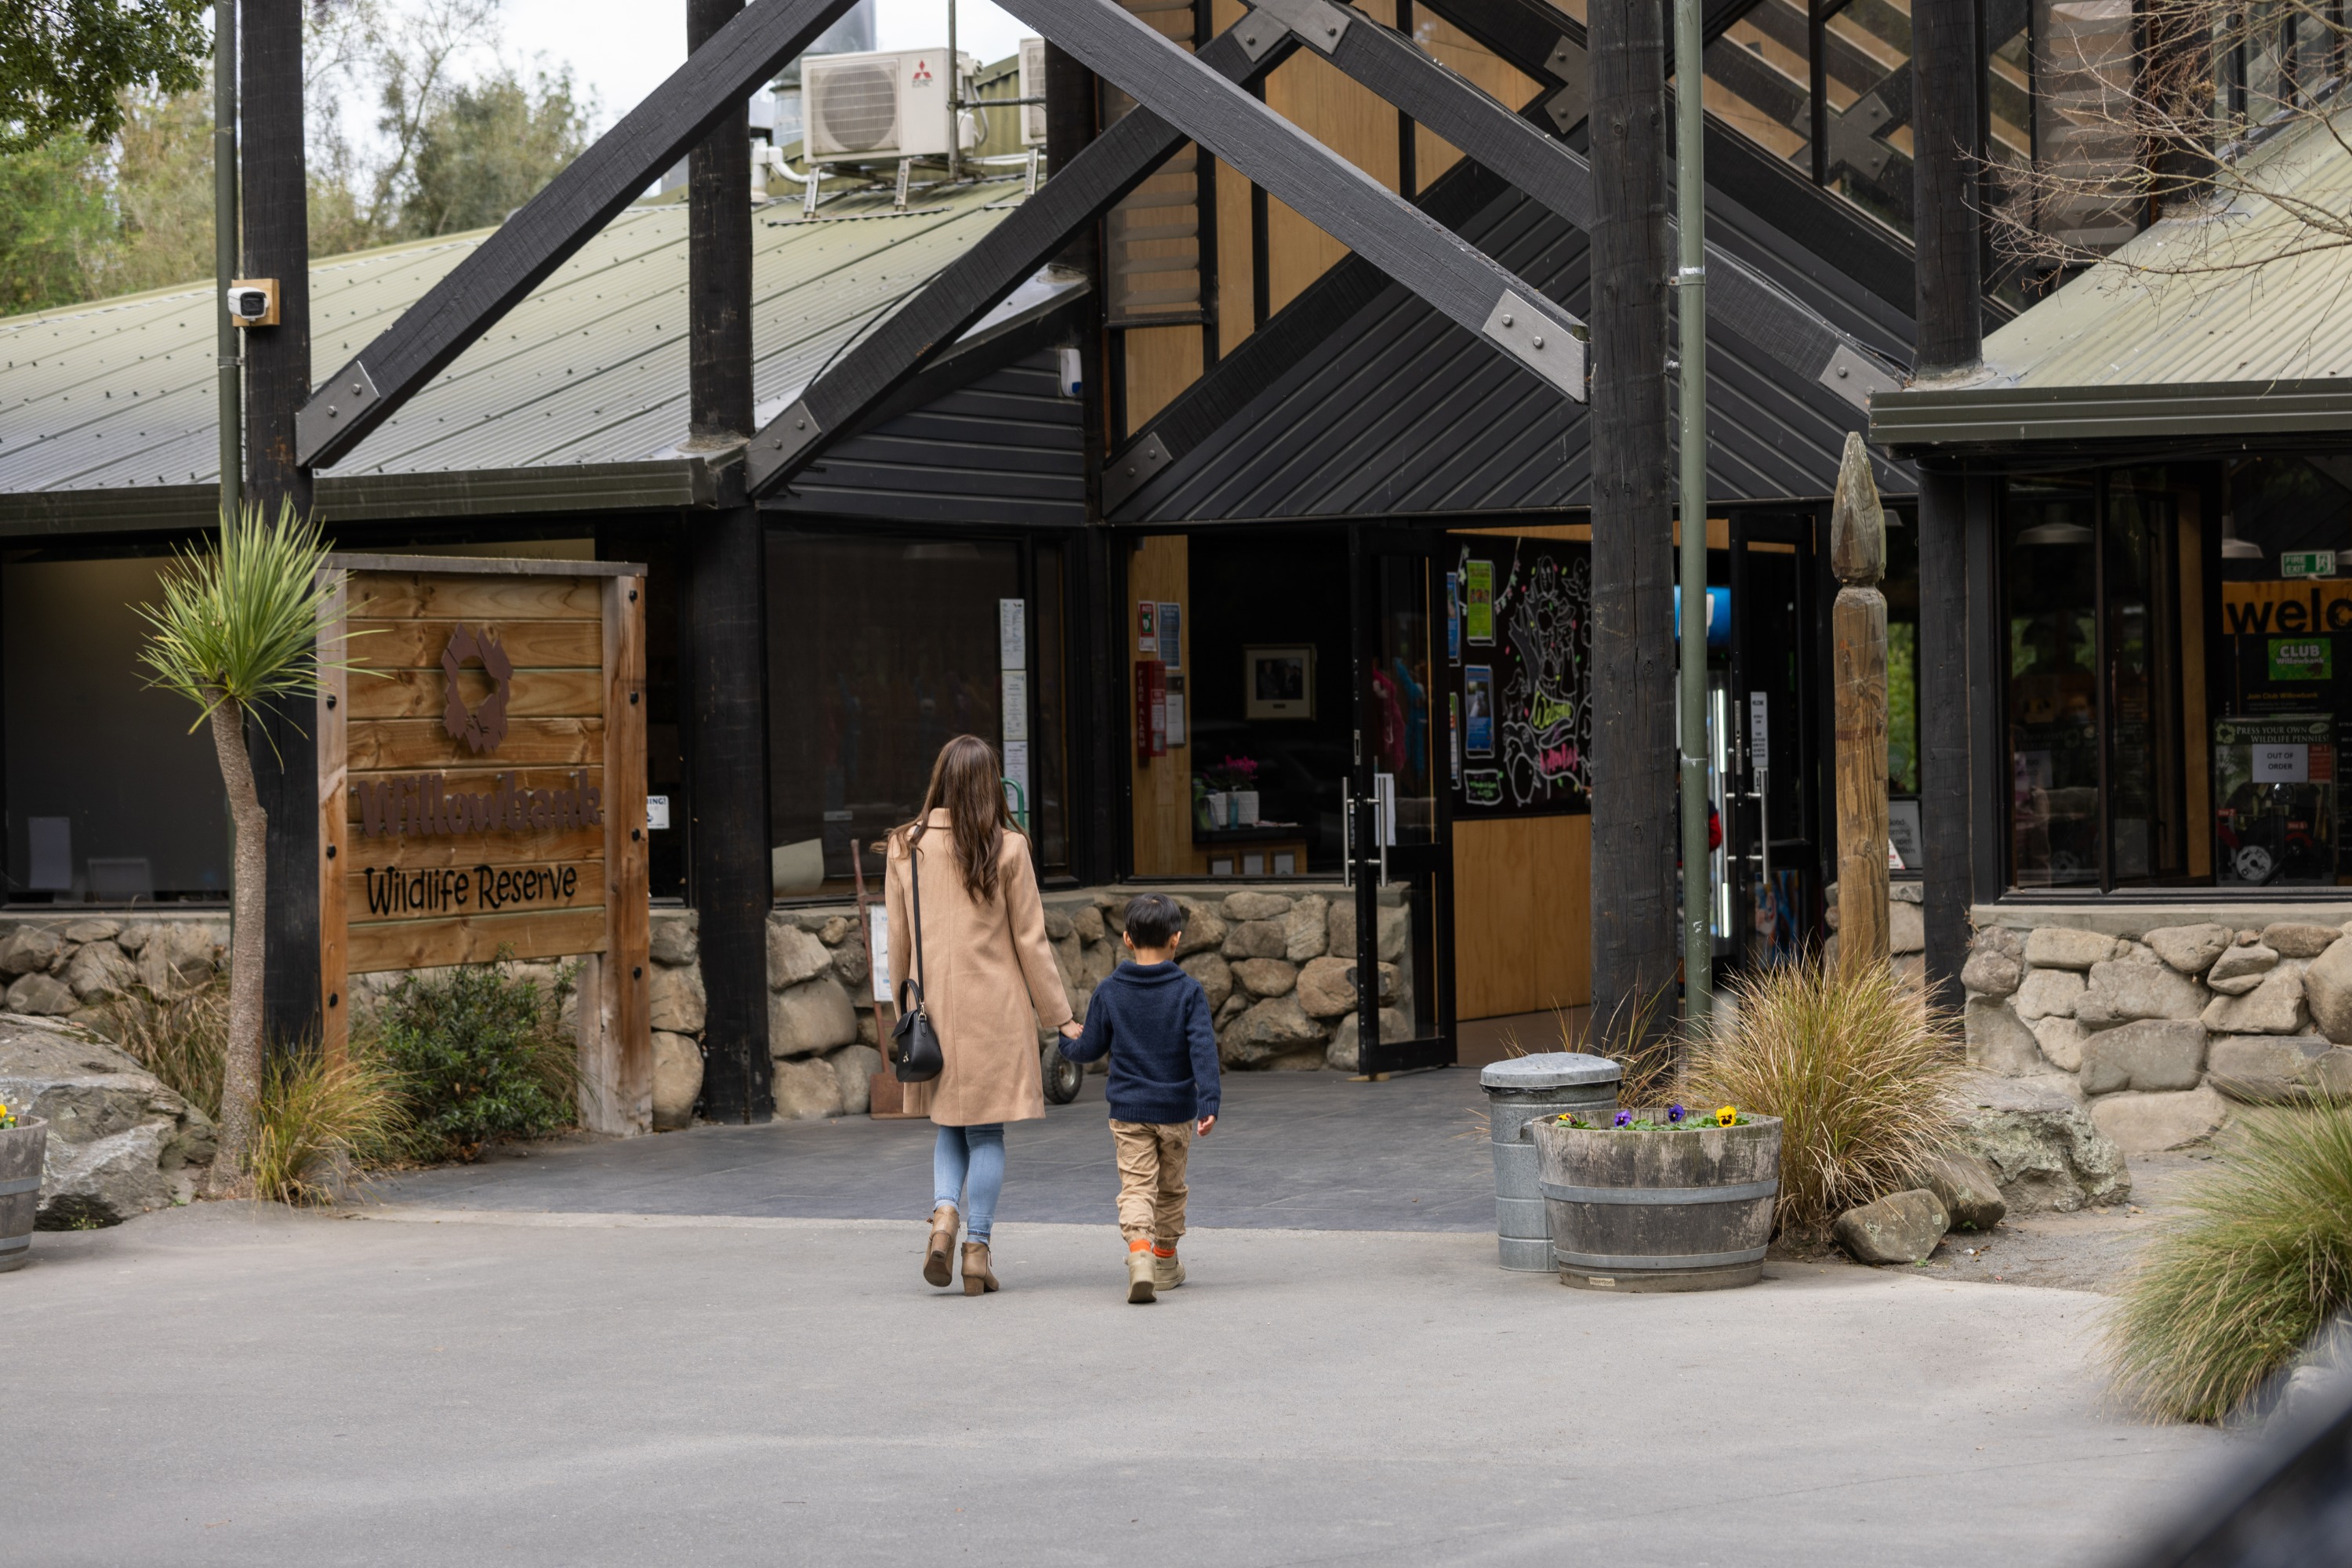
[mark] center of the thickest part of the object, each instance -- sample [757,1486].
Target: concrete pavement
[233,1384]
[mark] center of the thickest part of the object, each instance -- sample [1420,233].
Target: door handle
[1347,837]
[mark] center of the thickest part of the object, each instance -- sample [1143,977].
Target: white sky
[622,48]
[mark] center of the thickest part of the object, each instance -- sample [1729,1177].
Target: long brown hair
[969,785]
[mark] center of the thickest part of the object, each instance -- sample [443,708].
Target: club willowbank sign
[482,790]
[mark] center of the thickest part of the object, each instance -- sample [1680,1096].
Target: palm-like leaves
[239,623]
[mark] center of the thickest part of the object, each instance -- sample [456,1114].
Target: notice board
[1519,675]
[482,790]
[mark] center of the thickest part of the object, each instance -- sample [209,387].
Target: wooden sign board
[482,790]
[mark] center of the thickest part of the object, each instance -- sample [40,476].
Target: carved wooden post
[1858,624]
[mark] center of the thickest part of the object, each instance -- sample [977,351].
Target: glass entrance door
[1770,862]
[1400,851]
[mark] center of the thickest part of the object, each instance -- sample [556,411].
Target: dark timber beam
[1104,172]
[1379,224]
[714,83]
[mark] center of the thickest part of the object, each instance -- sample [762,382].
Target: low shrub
[1860,1070]
[319,1121]
[182,1039]
[2261,1259]
[478,1055]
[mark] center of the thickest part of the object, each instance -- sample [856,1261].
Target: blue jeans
[973,1155]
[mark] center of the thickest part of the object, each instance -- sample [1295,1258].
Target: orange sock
[1138,1245]
[1159,1251]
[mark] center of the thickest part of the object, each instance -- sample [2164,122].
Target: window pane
[880,651]
[2145,808]
[1048,751]
[110,798]
[2048,591]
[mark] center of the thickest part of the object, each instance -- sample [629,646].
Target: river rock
[2296,938]
[2266,1069]
[1216,975]
[1256,939]
[2240,969]
[2273,1007]
[2145,1123]
[27,949]
[2048,994]
[1991,973]
[99,969]
[1265,976]
[1968,1187]
[2123,990]
[812,1017]
[856,1066]
[1087,921]
[179,956]
[1343,1054]
[678,1080]
[1997,1043]
[2044,1149]
[1326,986]
[1906,928]
[1251,905]
[1901,1227]
[1307,930]
[2063,947]
[2062,1041]
[1271,1028]
[2151,1053]
[41,994]
[793,956]
[807,1089]
[119,1141]
[676,938]
[1204,928]
[2328,984]
[2190,949]
[851,968]
[1058,926]
[677,996]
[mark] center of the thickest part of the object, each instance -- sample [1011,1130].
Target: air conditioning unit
[880,106]
[1033,85]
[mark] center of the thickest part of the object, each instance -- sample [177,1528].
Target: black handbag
[914,1044]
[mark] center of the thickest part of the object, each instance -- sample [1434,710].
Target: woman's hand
[1073,1029]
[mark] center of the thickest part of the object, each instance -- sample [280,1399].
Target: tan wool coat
[990,981]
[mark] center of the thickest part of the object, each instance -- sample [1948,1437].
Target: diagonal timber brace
[1375,221]
[552,227]
[1109,167]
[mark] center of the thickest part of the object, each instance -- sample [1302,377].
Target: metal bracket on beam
[787,436]
[349,391]
[1537,343]
[1855,378]
[1318,24]
[1132,470]
[1571,106]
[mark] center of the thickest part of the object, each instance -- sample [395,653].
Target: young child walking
[1152,1020]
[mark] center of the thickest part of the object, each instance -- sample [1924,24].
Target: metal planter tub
[21,1148]
[1659,1211]
[1519,1092]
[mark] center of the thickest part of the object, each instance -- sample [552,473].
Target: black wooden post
[1634,789]
[727,662]
[1950,327]
[276,381]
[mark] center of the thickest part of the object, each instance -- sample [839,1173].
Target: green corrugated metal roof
[2250,308]
[591,369]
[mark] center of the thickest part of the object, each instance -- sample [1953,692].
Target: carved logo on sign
[482,727]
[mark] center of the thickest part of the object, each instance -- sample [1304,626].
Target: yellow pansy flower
[1727,1116]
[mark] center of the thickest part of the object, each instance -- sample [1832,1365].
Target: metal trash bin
[1519,1092]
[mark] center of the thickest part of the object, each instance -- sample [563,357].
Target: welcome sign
[482,790]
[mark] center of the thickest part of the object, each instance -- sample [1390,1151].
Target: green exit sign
[2307,563]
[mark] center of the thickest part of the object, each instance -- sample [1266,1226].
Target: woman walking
[989,981]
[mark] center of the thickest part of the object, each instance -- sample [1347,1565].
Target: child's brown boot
[1167,1273]
[1140,1272]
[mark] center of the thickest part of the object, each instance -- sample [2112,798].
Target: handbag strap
[915,887]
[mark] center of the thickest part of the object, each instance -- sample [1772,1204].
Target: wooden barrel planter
[1669,1210]
[21,1148]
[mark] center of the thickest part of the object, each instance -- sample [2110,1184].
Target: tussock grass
[182,1040]
[1860,1070]
[321,1120]
[2260,1261]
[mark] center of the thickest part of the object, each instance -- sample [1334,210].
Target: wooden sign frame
[531,795]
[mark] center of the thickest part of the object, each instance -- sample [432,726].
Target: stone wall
[2162,1020]
[67,967]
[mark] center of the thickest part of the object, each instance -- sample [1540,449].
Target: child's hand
[1073,1029]
[1204,1127]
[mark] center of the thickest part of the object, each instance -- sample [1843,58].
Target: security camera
[252,301]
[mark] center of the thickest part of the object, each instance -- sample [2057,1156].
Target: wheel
[2254,864]
[1063,1077]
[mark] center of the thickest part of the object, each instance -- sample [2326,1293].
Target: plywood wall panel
[1523,922]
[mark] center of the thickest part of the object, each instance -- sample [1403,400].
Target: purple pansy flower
[1674,1113]
[1624,1118]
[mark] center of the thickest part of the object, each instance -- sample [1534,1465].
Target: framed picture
[1278,682]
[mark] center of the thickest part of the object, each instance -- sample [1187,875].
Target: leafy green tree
[57,229]
[489,147]
[66,64]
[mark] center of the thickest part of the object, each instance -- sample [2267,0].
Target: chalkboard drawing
[1478,711]
[1478,578]
[1483,786]
[1545,707]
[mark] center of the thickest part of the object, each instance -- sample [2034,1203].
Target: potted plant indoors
[22,1144]
[1659,1198]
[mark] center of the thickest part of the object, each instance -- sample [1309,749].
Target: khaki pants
[1152,1157]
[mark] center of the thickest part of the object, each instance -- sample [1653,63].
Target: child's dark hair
[1153,919]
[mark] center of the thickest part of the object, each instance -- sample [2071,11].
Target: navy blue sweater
[1153,1021]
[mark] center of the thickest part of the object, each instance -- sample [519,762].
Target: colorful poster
[2303,658]
[2274,789]
[1171,635]
[1454,617]
[1147,634]
[1478,711]
[1453,730]
[1479,591]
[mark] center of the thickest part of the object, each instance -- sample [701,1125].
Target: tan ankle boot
[1167,1273]
[978,1277]
[939,1257]
[1140,1284]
